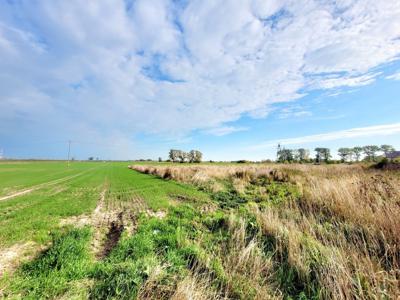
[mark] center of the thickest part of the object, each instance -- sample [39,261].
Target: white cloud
[168,68]
[370,131]
[224,130]
[395,76]
[294,112]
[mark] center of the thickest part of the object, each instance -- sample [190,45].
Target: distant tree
[159,159]
[302,154]
[387,149]
[174,155]
[285,155]
[357,152]
[195,156]
[345,154]
[370,152]
[182,156]
[322,154]
[351,154]
[91,158]
[318,155]
[326,154]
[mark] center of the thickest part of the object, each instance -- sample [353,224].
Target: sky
[133,79]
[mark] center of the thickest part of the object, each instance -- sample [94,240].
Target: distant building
[1,154]
[393,155]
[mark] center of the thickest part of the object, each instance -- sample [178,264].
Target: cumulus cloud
[169,67]
[370,131]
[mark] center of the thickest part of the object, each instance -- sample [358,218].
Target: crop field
[101,230]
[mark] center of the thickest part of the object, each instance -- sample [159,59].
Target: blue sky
[132,79]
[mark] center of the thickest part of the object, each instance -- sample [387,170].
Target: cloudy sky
[131,79]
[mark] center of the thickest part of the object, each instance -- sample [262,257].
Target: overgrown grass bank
[327,231]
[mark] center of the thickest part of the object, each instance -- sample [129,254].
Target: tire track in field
[39,186]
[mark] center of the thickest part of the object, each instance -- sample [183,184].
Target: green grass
[18,175]
[32,216]
[36,217]
[57,269]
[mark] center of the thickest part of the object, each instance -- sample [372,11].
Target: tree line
[193,156]
[324,154]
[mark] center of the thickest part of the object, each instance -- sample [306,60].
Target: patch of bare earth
[110,219]
[12,257]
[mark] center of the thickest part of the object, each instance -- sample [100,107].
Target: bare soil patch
[114,233]
[12,257]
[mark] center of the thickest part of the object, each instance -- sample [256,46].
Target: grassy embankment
[316,231]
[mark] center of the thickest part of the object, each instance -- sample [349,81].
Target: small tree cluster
[370,152]
[293,155]
[322,155]
[194,156]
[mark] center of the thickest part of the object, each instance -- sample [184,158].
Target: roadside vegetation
[247,231]
[325,231]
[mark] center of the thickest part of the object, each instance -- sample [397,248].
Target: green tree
[370,152]
[174,155]
[182,156]
[195,156]
[302,154]
[285,155]
[357,152]
[387,149]
[344,153]
[322,154]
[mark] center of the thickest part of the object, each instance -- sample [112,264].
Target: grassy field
[103,231]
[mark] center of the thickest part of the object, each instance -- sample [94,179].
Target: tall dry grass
[339,239]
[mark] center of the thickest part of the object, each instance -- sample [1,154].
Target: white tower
[1,153]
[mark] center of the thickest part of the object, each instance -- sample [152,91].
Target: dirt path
[39,186]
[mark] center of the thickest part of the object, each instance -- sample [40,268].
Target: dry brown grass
[341,236]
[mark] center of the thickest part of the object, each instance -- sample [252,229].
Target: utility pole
[69,150]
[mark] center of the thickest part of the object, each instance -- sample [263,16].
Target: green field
[60,193]
[31,216]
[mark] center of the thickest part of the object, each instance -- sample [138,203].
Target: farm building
[393,155]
